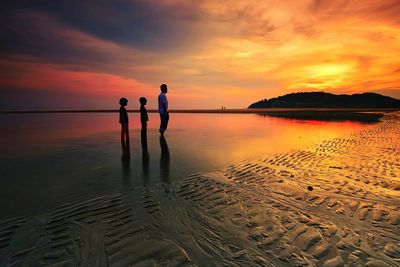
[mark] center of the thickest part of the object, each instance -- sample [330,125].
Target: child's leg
[127,136]
[122,136]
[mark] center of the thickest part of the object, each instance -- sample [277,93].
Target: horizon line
[235,110]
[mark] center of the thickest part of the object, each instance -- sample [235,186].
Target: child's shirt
[143,114]
[123,115]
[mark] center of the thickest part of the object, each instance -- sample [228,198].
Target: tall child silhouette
[144,118]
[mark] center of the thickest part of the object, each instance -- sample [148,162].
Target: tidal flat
[231,190]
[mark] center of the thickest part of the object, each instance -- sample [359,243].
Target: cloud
[140,24]
[38,35]
[44,78]
[385,11]
[204,50]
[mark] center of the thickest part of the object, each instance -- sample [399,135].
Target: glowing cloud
[211,53]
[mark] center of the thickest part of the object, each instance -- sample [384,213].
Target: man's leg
[162,123]
[166,121]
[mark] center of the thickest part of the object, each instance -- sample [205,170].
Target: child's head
[143,101]
[164,88]
[123,101]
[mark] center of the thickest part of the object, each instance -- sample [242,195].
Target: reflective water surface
[49,159]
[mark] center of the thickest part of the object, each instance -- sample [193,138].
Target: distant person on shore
[163,108]
[124,121]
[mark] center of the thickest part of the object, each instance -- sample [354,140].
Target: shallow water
[50,159]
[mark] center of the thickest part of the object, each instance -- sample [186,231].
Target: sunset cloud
[211,53]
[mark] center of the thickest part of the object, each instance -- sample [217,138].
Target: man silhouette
[163,108]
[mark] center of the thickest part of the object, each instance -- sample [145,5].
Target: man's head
[143,101]
[164,88]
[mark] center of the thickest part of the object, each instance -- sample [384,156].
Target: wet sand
[258,213]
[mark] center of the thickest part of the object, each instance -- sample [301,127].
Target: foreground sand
[253,214]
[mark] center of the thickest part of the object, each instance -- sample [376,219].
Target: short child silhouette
[124,121]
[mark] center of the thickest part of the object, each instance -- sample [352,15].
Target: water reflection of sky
[48,159]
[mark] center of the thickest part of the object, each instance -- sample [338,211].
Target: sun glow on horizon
[325,75]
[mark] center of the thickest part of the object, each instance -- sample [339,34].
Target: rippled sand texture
[252,214]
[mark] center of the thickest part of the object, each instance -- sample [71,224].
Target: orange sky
[210,53]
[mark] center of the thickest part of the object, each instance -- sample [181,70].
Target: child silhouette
[124,121]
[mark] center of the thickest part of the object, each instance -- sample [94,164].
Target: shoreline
[219,111]
[364,115]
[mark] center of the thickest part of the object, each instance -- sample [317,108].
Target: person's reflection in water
[126,166]
[164,160]
[145,156]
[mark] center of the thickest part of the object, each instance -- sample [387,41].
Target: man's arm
[165,103]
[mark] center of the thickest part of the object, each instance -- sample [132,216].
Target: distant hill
[327,100]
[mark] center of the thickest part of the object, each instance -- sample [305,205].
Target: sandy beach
[333,204]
